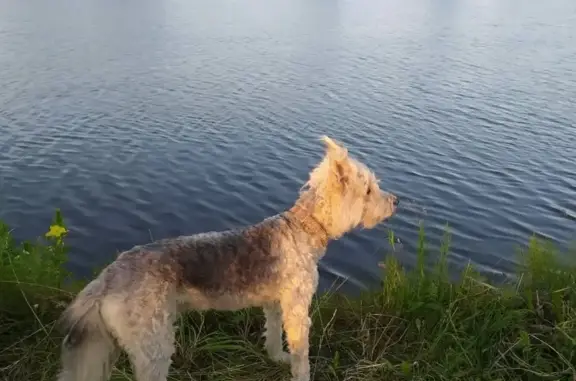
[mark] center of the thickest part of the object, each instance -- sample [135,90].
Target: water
[154,118]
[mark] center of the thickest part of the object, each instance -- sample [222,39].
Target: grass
[418,326]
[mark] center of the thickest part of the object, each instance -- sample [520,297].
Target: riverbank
[418,326]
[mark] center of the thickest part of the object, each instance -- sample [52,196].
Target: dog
[133,303]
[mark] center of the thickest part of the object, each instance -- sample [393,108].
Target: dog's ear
[338,158]
[334,150]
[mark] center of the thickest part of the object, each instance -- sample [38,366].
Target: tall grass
[32,273]
[419,325]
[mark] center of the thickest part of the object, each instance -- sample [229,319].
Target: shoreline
[419,325]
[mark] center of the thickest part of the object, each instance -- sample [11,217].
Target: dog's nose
[396,201]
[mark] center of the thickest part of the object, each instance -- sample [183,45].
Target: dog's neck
[310,224]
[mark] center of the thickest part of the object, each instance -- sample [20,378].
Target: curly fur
[134,302]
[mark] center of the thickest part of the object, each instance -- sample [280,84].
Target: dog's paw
[282,357]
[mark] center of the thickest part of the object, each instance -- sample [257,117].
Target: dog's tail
[88,349]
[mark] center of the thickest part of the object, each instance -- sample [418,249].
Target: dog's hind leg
[150,354]
[273,333]
[295,315]
[149,345]
[143,327]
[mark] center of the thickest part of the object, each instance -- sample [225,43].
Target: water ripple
[173,122]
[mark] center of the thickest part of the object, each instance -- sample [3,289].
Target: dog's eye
[368,191]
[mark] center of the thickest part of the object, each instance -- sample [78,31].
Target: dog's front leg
[295,314]
[273,333]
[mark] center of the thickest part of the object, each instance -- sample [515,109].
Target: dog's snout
[395,200]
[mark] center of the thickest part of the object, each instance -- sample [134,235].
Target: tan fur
[134,302]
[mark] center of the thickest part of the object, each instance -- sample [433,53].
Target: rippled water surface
[165,117]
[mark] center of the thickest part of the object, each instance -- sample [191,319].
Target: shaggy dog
[134,302]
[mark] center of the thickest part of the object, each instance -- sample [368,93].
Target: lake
[147,119]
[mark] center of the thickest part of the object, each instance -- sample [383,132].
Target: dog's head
[346,193]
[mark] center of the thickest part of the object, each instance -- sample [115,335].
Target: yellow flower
[56,231]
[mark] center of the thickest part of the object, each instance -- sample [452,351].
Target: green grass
[418,326]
